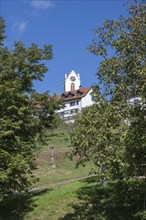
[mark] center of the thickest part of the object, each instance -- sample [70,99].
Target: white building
[75,97]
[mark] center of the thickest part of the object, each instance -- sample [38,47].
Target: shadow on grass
[116,201]
[17,207]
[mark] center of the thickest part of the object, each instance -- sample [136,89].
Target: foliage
[113,133]
[135,142]
[97,138]
[21,122]
[122,45]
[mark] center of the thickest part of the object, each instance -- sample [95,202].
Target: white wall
[68,111]
[68,107]
[87,100]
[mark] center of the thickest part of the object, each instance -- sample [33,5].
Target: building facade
[75,97]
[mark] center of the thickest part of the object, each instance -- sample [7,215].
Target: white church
[75,97]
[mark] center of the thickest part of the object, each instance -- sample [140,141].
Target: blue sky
[68,26]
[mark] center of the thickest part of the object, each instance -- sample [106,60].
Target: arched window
[72,86]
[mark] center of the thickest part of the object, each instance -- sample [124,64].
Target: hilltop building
[75,97]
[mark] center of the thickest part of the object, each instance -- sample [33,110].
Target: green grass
[65,168]
[55,203]
[81,200]
[50,204]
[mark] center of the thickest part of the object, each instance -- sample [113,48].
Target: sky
[68,26]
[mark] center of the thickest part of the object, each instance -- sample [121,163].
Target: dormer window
[63,95]
[79,93]
[70,95]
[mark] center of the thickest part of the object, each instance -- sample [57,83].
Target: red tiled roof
[76,94]
[70,95]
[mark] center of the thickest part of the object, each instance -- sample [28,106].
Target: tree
[22,122]
[96,138]
[121,76]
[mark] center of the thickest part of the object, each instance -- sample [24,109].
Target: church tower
[72,81]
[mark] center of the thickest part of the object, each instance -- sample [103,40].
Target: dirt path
[52,185]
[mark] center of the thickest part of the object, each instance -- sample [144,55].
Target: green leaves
[125,38]
[22,124]
[2,30]
[112,133]
[96,138]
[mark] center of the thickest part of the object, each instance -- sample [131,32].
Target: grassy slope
[81,200]
[65,168]
[50,204]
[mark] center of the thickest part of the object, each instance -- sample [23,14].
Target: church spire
[72,81]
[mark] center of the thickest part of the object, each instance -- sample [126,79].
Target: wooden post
[53,165]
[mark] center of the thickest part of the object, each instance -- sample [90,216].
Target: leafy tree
[121,76]
[122,71]
[24,114]
[96,138]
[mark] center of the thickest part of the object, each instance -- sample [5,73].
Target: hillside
[65,168]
